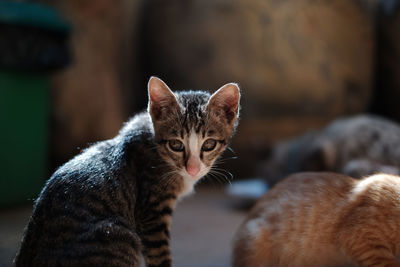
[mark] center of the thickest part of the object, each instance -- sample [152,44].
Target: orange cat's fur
[323,219]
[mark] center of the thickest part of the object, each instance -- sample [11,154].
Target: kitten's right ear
[161,98]
[226,99]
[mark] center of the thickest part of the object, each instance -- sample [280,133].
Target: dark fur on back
[92,202]
[114,201]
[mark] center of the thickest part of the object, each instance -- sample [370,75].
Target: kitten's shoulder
[139,125]
[109,155]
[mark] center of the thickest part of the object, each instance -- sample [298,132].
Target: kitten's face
[192,128]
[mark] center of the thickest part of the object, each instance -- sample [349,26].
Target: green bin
[32,46]
[24,120]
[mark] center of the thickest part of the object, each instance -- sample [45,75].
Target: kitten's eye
[176,145]
[209,145]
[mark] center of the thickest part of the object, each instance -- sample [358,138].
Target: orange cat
[323,219]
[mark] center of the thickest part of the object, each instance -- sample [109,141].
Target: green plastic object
[32,14]
[23,136]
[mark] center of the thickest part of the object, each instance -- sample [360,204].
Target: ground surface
[202,229]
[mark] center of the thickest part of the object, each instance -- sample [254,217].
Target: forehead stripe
[193,144]
[201,124]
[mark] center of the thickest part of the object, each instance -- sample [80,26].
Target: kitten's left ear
[226,99]
[161,98]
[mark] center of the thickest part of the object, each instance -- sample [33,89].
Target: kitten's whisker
[210,178]
[222,176]
[217,174]
[231,149]
[223,160]
[234,157]
[169,177]
[222,171]
[216,178]
[173,177]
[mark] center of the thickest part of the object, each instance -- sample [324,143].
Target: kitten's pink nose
[193,166]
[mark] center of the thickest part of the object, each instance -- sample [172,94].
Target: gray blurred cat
[356,146]
[113,202]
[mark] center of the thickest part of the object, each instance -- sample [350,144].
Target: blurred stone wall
[293,59]
[91,97]
[300,63]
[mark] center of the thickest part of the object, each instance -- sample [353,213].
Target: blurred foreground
[202,229]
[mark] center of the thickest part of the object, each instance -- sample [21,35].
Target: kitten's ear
[226,99]
[161,98]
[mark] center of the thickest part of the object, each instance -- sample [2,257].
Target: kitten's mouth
[193,171]
[194,176]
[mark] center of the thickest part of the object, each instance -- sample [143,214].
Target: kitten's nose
[193,166]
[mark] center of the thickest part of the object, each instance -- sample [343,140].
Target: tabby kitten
[113,202]
[323,219]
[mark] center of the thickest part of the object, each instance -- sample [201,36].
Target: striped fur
[113,203]
[323,219]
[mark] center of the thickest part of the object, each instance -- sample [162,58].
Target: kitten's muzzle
[193,166]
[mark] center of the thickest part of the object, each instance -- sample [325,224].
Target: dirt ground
[202,229]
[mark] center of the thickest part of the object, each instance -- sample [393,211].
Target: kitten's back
[77,215]
[310,219]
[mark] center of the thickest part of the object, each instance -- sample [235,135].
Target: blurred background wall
[300,64]
[92,97]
